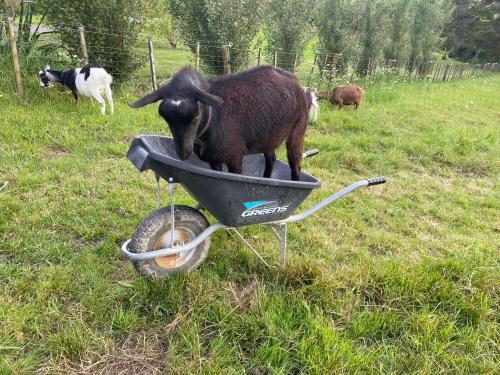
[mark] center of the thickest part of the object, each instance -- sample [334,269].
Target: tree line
[359,32]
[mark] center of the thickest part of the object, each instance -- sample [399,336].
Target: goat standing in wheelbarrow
[224,119]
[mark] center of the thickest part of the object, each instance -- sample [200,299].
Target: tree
[372,29]
[429,19]
[338,31]
[159,22]
[474,30]
[22,12]
[217,22]
[112,28]
[288,29]
[399,31]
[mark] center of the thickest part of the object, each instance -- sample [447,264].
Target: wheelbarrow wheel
[154,233]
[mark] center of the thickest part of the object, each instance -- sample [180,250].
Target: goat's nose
[184,155]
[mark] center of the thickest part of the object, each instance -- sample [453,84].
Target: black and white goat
[226,118]
[92,81]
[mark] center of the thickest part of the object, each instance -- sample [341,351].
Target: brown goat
[223,119]
[344,95]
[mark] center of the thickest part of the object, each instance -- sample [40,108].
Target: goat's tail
[312,105]
[109,79]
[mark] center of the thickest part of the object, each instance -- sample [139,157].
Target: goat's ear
[206,98]
[148,99]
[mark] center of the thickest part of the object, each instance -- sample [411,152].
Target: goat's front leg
[216,166]
[235,165]
[270,159]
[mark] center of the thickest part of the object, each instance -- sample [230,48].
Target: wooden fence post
[295,62]
[452,72]
[197,57]
[15,58]
[259,57]
[225,59]
[333,68]
[152,63]
[440,69]
[83,45]
[445,74]
[322,71]
[312,71]
[275,58]
[354,71]
[434,71]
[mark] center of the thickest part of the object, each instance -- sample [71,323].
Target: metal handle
[331,199]
[310,153]
[376,180]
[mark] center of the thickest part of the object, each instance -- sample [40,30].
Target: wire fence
[321,70]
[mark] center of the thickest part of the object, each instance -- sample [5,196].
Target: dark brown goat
[226,118]
[344,95]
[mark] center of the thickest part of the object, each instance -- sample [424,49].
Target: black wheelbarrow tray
[176,238]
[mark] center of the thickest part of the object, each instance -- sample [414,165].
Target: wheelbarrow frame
[275,226]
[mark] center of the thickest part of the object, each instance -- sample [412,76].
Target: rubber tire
[156,224]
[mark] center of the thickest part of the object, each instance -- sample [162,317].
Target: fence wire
[321,70]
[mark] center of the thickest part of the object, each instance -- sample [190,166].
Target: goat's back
[261,107]
[98,79]
[347,94]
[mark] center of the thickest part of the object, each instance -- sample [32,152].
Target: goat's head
[44,79]
[179,107]
[48,76]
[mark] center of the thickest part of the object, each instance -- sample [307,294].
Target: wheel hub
[164,241]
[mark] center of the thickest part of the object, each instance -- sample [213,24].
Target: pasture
[398,278]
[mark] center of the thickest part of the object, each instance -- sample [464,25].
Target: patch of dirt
[140,353]
[56,154]
[260,371]
[5,257]
[243,294]
[128,137]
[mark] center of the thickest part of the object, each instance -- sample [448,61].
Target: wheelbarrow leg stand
[250,246]
[275,228]
[284,230]
[281,237]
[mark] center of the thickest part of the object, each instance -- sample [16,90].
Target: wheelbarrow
[176,238]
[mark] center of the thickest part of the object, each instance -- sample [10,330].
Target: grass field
[398,278]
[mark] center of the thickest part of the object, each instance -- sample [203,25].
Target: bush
[215,23]
[111,27]
[288,29]
[337,25]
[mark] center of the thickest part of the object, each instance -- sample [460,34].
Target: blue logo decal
[258,208]
[254,204]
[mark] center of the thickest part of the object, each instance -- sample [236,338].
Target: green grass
[399,278]
[438,58]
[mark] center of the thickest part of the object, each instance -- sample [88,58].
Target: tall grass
[402,278]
